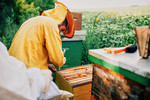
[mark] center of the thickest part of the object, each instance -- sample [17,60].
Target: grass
[112,27]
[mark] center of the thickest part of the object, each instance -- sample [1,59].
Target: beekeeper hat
[59,13]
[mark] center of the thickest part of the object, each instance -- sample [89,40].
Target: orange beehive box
[77,80]
[77,19]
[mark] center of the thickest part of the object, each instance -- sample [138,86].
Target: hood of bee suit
[59,13]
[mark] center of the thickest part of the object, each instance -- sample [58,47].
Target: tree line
[15,12]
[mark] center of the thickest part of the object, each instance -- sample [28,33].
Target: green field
[113,27]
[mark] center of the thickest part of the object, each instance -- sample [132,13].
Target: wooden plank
[109,86]
[126,73]
[80,90]
[62,83]
[75,69]
[77,75]
[81,80]
[118,75]
[85,96]
[77,80]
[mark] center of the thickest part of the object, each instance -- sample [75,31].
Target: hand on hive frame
[52,67]
[64,60]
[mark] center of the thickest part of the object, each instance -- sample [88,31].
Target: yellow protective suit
[38,40]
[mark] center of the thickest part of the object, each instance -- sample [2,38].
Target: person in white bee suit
[19,83]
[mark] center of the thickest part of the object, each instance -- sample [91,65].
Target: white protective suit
[19,83]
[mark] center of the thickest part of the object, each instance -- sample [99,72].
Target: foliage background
[105,27]
[15,12]
[112,27]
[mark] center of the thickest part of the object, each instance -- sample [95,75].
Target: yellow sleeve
[54,44]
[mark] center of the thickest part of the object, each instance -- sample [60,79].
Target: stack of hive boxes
[73,46]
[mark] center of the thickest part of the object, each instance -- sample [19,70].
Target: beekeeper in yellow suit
[38,41]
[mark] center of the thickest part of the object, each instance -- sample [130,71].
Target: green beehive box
[73,49]
[73,53]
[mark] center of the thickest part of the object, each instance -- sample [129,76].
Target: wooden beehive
[76,80]
[119,77]
[77,19]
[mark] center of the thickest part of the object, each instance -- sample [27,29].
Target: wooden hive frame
[79,85]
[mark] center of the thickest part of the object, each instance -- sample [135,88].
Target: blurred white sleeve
[14,82]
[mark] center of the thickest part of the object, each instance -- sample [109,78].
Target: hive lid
[130,65]
[78,35]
